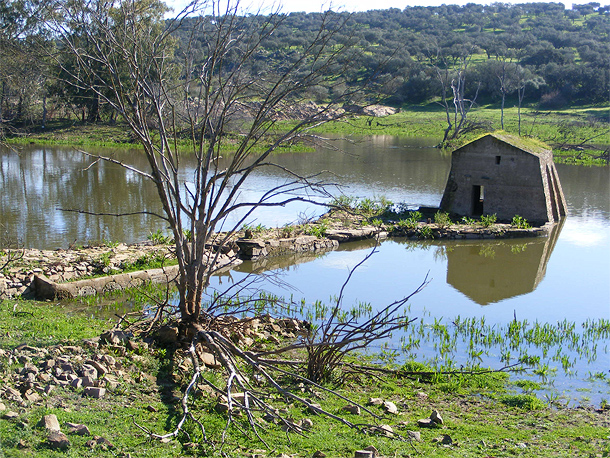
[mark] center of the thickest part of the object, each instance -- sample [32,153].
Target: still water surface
[564,276]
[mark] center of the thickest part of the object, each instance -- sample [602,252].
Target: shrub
[157,238]
[426,232]
[343,202]
[411,222]
[520,222]
[469,221]
[488,220]
[442,219]
[319,229]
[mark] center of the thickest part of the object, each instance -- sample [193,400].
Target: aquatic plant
[317,229]
[442,219]
[158,238]
[520,222]
[468,221]
[488,220]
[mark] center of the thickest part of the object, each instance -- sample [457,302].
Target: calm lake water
[564,276]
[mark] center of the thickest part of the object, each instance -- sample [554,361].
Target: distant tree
[451,75]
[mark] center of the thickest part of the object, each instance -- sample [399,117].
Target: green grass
[569,127]
[480,412]
[44,324]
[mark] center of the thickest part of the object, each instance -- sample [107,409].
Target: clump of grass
[468,221]
[250,230]
[148,261]
[369,208]
[425,232]
[523,401]
[158,238]
[317,229]
[488,220]
[411,222]
[442,219]
[520,222]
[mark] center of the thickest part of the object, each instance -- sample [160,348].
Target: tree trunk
[2,99]
[44,110]
[520,94]
[502,110]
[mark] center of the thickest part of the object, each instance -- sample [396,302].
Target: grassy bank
[578,135]
[483,414]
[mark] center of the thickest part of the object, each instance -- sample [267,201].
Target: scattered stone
[425,423]
[167,335]
[152,408]
[414,435]
[115,337]
[306,423]
[22,444]
[354,410]
[112,382]
[222,407]
[422,395]
[88,381]
[12,394]
[436,417]
[49,422]
[386,430]
[32,396]
[2,407]
[319,454]
[371,448]
[95,392]
[103,442]
[89,371]
[10,415]
[58,440]
[390,407]
[209,360]
[78,429]
[363,454]
[314,408]
[375,401]
[445,439]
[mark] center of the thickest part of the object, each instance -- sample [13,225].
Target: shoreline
[49,274]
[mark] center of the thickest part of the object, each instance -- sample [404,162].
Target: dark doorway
[478,196]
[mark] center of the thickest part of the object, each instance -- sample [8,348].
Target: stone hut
[505,175]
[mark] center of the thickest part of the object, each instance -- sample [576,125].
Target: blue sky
[350,5]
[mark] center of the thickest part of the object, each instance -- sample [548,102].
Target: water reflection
[496,270]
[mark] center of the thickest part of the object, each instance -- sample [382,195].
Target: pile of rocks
[39,371]
[68,265]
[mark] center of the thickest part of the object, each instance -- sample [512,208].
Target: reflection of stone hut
[490,271]
[505,175]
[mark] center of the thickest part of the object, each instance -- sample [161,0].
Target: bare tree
[451,75]
[203,100]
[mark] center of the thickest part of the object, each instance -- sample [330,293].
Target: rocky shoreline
[34,273]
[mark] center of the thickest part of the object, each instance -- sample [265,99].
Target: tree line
[530,53]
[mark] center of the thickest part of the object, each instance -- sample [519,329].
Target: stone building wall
[509,181]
